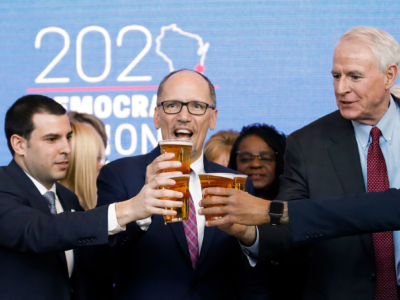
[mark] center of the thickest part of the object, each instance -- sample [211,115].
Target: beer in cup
[225,180]
[181,185]
[239,182]
[182,150]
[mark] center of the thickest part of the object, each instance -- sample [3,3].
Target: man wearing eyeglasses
[155,262]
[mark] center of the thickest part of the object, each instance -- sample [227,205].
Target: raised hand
[148,202]
[239,207]
[161,163]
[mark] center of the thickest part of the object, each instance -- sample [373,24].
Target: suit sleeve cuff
[113,226]
[251,252]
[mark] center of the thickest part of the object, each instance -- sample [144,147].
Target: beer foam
[180,175]
[175,142]
[240,175]
[225,175]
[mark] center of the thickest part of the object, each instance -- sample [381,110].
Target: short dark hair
[210,85]
[276,140]
[19,116]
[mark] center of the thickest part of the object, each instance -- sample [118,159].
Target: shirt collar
[42,189]
[198,165]
[362,131]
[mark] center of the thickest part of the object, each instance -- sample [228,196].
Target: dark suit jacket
[156,264]
[319,219]
[322,160]
[32,241]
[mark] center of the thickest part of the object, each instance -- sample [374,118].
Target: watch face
[275,212]
[276,207]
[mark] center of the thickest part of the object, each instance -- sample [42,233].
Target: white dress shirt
[196,168]
[390,145]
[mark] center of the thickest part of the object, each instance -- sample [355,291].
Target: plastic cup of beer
[239,182]
[225,180]
[181,185]
[182,150]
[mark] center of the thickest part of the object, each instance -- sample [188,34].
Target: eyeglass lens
[266,157]
[194,107]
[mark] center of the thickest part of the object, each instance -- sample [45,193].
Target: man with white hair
[350,151]
[341,154]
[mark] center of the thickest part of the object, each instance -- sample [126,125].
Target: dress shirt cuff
[144,224]
[251,252]
[113,226]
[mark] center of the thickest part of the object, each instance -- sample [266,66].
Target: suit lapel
[27,187]
[343,151]
[66,203]
[176,228]
[179,234]
[32,194]
[209,233]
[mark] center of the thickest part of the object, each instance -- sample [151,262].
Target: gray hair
[384,46]
[395,90]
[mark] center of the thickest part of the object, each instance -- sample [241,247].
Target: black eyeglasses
[194,107]
[263,157]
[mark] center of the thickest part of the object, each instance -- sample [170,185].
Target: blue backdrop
[270,60]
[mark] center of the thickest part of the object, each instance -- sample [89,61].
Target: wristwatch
[275,212]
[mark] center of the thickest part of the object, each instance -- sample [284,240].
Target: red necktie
[190,227]
[386,283]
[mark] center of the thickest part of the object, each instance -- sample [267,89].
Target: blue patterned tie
[51,201]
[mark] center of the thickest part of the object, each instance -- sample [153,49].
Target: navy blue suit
[156,264]
[327,218]
[32,241]
[321,161]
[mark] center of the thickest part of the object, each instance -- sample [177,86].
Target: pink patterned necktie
[377,180]
[190,228]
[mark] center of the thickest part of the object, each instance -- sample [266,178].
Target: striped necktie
[190,228]
[51,201]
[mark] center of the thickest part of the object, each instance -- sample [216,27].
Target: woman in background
[87,158]
[218,147]
[258,153]
[92,120]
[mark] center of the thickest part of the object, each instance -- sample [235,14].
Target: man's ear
[213,120]
[391,76]
[18,144]
[156,119]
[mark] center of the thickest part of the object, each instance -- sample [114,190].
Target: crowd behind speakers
[104,236]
